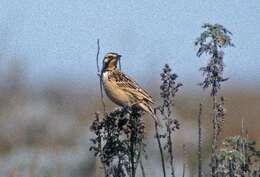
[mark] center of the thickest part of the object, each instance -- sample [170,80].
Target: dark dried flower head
[169,88]
[210,42]
[118,140]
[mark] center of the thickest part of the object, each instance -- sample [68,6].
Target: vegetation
[211,41]
[119,135]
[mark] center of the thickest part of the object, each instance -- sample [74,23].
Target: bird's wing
[127,84]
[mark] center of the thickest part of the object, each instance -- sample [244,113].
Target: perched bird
[123,90]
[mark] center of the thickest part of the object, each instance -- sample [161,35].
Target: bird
[122,89]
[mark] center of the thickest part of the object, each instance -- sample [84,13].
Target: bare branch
[97,56]
[199,142]
[99,73]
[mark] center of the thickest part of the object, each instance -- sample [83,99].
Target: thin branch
[142,167]
[244,144]
[97,56]
[171,152]
[160,148]
[211,41]
[139,155]
[199,142]
[99,73]
[132,154]
[214,162]
[99,141]
[184,160]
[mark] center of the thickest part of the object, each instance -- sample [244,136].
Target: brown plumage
[122,89]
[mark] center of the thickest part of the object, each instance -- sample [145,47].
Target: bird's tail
[147,108]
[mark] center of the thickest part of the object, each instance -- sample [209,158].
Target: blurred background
[49,89]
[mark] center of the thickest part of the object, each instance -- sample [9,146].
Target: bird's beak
[119,58]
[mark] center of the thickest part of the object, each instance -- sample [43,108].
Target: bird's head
[110,61]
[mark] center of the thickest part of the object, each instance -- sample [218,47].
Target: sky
[57,38]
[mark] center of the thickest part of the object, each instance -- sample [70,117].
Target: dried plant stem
[102,101]
[212,41]
[230,165]
[160,148]
[244,145]
[132,155]
[139,159]
[170,151]
[134,147]
[142,167]
[184,161]
[215,137]
[100,77]
[97,56]
[139,156]
[99,142]
[199,142]
[168,88]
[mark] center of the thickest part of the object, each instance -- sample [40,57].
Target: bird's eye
[105,60]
